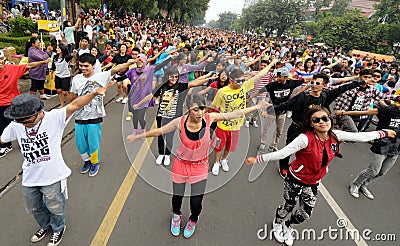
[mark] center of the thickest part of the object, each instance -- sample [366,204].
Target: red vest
[307,168]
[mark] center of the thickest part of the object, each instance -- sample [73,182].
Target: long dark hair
[64,50]
[219,85]
[307,121]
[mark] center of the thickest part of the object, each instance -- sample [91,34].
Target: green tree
[274,15]
[387,19]
[225,20]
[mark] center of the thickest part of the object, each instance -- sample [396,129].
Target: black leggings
[4,122]
[138,116]
[169,137]
[196,198]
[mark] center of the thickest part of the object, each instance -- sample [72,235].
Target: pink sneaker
[134,132]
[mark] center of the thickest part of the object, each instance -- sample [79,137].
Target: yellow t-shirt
[228,100]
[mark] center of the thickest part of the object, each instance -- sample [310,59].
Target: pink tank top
[195,152]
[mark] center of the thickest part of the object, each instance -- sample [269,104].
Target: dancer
[191,162]
[315,148]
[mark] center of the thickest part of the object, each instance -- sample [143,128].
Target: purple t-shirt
[141,85]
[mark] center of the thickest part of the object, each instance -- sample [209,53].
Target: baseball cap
[283,72]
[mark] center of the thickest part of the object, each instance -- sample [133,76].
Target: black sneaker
[4,151]
[56,238]
[39,235]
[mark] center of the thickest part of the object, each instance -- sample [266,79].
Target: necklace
[31,134]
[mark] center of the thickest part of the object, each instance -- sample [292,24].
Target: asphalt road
[121,207]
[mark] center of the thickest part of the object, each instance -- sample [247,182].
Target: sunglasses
[199,108]
[239,80]
[324,118]
[315,83]
[174,76]
[326,72]
[25,122]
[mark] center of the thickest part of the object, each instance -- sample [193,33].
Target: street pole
[63,11]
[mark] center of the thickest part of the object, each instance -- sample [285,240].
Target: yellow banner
[46,25]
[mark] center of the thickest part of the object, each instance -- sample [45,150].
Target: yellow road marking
[110,219]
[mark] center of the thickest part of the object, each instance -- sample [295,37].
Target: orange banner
[371,55]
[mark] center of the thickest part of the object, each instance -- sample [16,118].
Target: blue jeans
[47,204]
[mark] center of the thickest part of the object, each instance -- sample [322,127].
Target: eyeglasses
[25,122]
[324,118]
[174,76]
[315,83]
[376,76]
[239,80]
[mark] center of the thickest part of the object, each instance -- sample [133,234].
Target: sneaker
[167,160]
[255,124]
[156,101]
[289,114]
[125,100]
[272,148]
[159,159]
[119,99]
[94,169]
[282,172]
[261,149]
[39,235]
[56,238]
[4,151]
[224,164]
[215,169]
[247,123]
[134,132]
[288,234]
[354,190]
[278,231]
[189,228]
[364,189]
[144,132]
[176,221]
[44,97]
[86,167]
[128,117]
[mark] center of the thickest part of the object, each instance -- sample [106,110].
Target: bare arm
[201,80]
[171,126]
[122,67]
[265,70]
[239,113]
[204,91]
[371,111]
[37,64]
[144,100]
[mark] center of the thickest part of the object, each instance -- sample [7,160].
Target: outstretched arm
[239,113]
[201,80]
[37,64]
[171,126]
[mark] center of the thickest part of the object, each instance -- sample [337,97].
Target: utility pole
[63,11]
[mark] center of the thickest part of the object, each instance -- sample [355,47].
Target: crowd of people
[158,63]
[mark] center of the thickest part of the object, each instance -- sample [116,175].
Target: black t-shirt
[172,98]
[389,118]
[280,93]
[118,59]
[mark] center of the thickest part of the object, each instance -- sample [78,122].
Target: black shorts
[62,83]
[36,85]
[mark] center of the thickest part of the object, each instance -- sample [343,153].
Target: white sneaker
[119,99]
[288,234]
[255,124]
[156,101]
[224,164]
[159,159]
[215,169]
[278,232]
[247,123]
[167,160]
[44,97]
[364,189]
[354,190]
[289,114]
[125,100]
